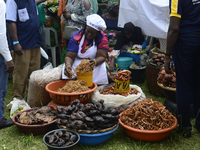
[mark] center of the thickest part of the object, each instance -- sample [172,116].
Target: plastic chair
[149,45]
[68,32]
[53,48]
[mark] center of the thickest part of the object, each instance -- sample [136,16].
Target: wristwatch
[167,54]
[15,42]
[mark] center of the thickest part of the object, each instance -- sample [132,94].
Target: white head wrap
[95,21]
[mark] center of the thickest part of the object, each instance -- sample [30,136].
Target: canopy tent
[152,16]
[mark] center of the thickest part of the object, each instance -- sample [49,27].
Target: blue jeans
[186,57]
[3,86]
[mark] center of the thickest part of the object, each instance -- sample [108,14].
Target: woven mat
[91,131]
[166,87]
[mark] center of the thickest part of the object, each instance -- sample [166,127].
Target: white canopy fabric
[152,16]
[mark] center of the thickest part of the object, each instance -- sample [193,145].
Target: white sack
[152,16]
[117,100]
[46,75]
[37,95]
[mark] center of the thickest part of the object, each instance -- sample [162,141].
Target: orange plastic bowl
[66,98]
[36,129]
[147,135]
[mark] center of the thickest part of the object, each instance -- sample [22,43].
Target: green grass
[12,139]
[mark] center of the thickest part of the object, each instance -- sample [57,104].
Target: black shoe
[185,133]
[6,123]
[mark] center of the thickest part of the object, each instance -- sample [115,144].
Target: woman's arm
[70,57]
[86,9]
[101,56]
[102,50]
[112,64]
[71,54]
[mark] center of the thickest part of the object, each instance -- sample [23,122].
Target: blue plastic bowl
[95,139]
[124,62]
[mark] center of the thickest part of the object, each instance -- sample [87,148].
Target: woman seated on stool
[130,34]
[90,42]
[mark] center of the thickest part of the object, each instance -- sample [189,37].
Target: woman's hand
[167,63]
[66,14]
[111,67]
[112,63]
[92,62]
[67,70]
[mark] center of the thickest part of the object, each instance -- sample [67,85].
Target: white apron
[99,72]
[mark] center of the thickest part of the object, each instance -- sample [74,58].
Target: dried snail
[158,59]
[91,116]
[42,115]
[61,138]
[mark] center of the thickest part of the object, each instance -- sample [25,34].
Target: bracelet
[167,54]
[15,42]
[95,62]
[68,64]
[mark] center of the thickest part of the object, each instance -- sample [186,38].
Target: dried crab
[122,75]
[111,91]
[148,115]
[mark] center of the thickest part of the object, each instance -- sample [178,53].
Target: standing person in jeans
[183,42]
[24,28]
[6,65]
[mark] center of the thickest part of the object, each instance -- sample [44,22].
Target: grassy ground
[12,139]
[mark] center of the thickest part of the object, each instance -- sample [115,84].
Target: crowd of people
[26,22]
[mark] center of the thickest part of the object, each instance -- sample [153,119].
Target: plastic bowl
[70,147]
[66,98]
[147,135]
[34,129]
[95,139]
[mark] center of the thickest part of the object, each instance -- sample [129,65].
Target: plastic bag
[15,104]
[117,100]
[37,95]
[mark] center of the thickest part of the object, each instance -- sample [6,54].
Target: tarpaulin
[152,16]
